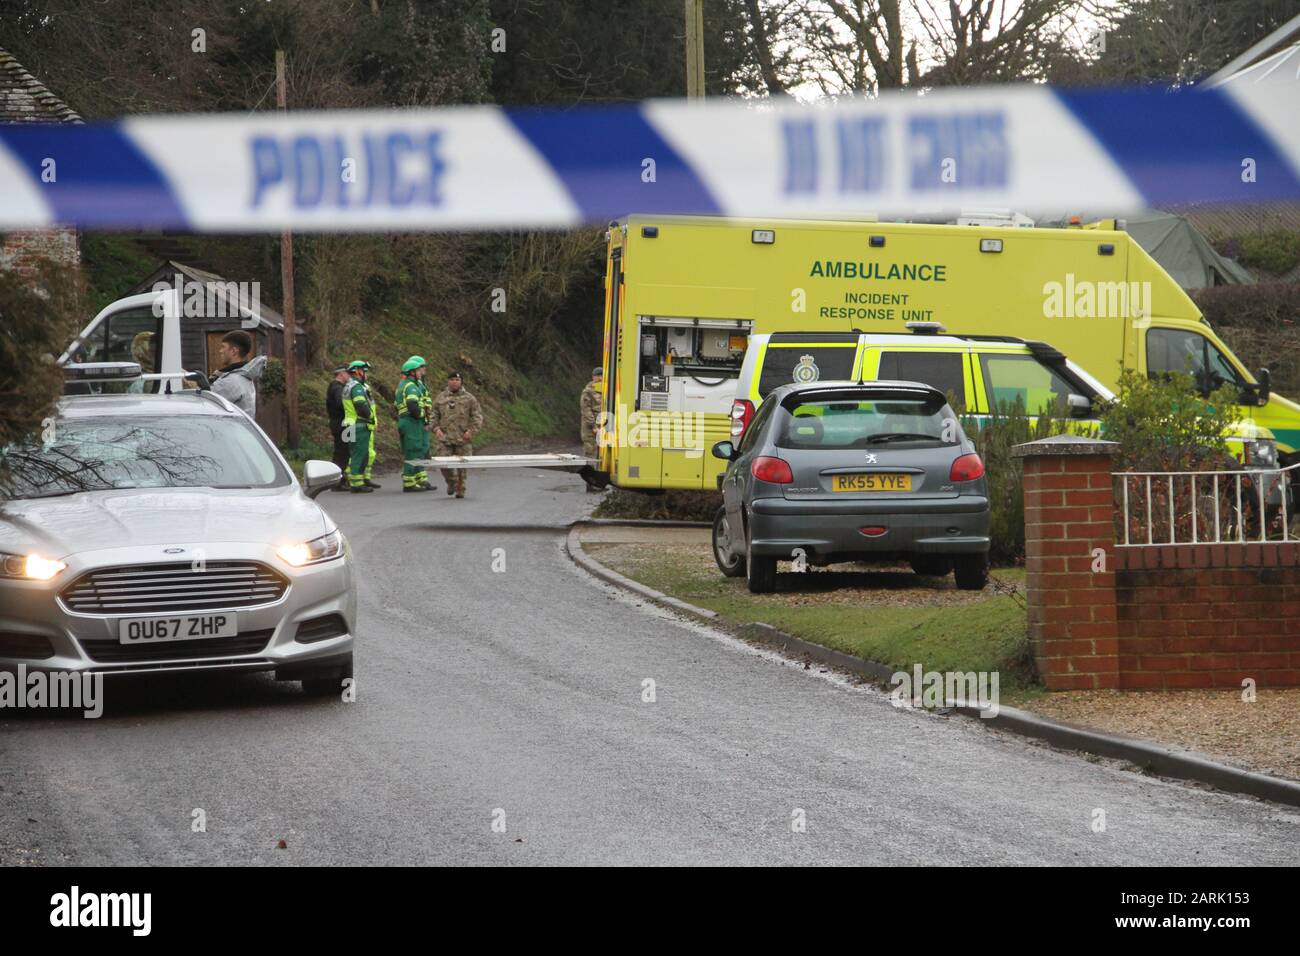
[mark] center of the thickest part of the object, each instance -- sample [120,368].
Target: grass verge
[891,616]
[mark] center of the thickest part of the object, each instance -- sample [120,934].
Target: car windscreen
[857,421]
[177,451]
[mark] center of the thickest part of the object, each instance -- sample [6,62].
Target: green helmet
[414,362]
[358,364]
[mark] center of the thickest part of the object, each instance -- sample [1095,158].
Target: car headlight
[1261,453]
[324,548]
[29,567]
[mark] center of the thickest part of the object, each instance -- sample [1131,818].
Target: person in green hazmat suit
[413,402]
[360,416]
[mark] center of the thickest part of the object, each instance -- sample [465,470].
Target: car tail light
[967,468]
[773,470]
[742,413]
[872,530]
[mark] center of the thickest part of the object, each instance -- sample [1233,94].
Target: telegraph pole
[695,49]
[286,282]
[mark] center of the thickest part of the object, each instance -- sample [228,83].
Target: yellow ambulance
[683,295]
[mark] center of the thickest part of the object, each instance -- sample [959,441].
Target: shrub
[1258,322]
[1272,252]
[36,324]
[272,381]
[1165,424]
[1263,305]
[994,437]
[673,505]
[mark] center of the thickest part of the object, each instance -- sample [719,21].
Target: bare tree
[1180,41]
[865,46]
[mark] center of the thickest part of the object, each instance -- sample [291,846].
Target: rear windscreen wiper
[901,436]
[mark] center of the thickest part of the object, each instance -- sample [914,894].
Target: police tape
[1029,148]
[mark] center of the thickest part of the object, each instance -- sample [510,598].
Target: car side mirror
[724,450]
[1265,385]
[318,476]
[1080,406]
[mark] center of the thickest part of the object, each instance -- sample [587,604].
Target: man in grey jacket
[237,380]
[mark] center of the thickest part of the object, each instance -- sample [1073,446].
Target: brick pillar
[1069,514]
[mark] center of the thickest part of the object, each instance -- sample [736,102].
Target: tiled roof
[24,99]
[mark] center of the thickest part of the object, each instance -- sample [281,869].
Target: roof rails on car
[1010,339]
[1046,353]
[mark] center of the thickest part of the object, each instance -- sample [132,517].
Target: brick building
[24,99]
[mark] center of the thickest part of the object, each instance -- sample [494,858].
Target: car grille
[114,652]
[178,588]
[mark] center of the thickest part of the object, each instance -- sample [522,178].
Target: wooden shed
[212,306]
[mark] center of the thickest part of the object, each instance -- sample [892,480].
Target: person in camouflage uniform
[455,419]
[589,407]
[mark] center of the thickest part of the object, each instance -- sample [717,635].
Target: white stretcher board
[553,460]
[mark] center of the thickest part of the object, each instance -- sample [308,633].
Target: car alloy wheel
[724,554]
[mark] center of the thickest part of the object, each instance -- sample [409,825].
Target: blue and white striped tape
[1029,148]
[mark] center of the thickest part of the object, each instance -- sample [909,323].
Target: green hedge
[994,437]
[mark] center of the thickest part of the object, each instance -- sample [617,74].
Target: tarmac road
[515,696]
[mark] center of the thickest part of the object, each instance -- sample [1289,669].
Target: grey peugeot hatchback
[836,471]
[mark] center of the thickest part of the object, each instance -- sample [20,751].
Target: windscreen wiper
[901,436]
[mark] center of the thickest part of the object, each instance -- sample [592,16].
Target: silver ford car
[146,533]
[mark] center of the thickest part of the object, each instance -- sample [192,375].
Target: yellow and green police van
[685,294]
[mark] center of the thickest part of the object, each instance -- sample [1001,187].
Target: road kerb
[573,545]
[1148,756]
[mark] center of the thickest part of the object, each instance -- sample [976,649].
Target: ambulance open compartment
[686,374]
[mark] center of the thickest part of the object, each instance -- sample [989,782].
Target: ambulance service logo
[806,371]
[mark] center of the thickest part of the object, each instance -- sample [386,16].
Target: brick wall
[1136,617]
[1069,507]
[22,252]
[1208,615]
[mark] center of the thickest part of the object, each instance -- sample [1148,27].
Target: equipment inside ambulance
[688,365]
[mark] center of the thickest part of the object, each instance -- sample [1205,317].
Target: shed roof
[166,272]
